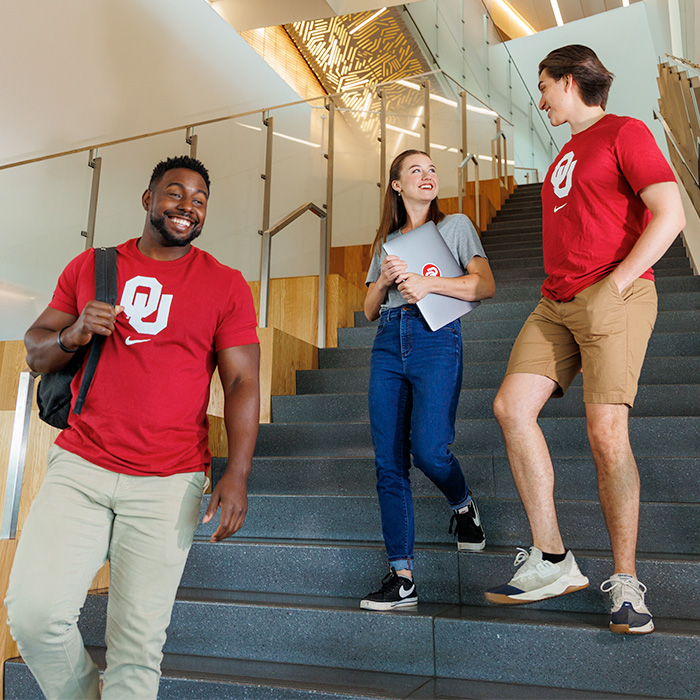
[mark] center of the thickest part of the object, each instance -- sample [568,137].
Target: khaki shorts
[602,330]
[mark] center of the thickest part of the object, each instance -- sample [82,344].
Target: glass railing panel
[45,209]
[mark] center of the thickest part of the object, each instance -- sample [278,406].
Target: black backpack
[53,394]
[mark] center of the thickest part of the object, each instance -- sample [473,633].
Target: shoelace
[624,588]
[529,568]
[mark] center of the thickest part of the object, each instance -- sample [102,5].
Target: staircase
[273,613]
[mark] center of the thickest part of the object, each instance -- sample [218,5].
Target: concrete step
[532,257]
[212,678]
[663,479]
[496,229]
[652,400]
[521,215]
[512,304]
[663,527]
[443,575]
[474,328]
[660,344]
[484,375]
[658,436]
[468,642]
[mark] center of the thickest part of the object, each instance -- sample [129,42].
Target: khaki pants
[601,330]
[82,516]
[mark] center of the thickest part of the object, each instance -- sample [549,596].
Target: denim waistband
[409,309]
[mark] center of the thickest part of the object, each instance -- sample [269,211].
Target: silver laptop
[427,254]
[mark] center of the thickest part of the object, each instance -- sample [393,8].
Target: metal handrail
[527,175]
[265,254]
[502,175]
[673,141]
[189,128]
[473,158]
[18,454]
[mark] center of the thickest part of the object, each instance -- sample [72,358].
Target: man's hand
[414,287]
[96,318]
[232,495]
[239,369]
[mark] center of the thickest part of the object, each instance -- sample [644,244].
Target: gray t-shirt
[461,238]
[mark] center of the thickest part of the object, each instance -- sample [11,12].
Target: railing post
[191,139]
[322,274]
[477,198]
[330,106]
[498,147]
[264,278]
[426,114]
[266,237]
[382,147]
[463,101]
[95,163]
[18,454]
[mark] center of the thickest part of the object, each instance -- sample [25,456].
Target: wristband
[61,345]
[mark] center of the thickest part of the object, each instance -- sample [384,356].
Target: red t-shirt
[145,412]
[592,214]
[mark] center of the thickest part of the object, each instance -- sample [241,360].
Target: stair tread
[325,682]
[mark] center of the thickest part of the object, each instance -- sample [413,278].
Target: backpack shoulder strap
[105,290]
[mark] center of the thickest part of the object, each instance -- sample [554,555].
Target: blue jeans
[415,380]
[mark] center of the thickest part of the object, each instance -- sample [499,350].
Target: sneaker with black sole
[396,592]
[628,614]
[538,579]
[467,527]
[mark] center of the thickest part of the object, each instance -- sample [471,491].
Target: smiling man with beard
[125,479]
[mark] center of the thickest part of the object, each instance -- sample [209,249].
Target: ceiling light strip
[557,12]
[526,27]
[367,21]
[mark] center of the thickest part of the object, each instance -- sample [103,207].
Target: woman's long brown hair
[394,212]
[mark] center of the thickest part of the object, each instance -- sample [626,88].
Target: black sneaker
[396,592]
[467,527]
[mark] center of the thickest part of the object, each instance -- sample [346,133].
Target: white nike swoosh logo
[403,593]
[556,209]
[132,341]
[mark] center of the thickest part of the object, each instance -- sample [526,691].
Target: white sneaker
[629,614]
[538,579]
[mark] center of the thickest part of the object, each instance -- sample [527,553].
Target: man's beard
[170,240]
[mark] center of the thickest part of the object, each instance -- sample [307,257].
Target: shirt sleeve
[238,324]
[65,296]
[640,159]
[375,267]
[467,243]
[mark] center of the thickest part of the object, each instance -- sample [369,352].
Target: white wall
[128,68]
[628,41]
[623,41]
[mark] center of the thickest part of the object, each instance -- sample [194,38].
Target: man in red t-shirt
[610,209]
[125,479]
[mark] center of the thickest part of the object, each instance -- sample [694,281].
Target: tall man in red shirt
[610,208]
[125,479]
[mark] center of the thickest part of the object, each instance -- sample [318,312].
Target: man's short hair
[591,76]
[185,162]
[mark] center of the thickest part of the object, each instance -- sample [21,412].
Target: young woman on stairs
[416,373]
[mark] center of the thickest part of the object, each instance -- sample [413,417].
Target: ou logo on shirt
[139,305]
[562,175]
[431,270]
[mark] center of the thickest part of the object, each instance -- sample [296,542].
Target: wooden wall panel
[12,362]
[281,355]
[352,258]
[294,305]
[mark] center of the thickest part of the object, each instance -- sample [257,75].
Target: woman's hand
[414,287]
[392,267]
